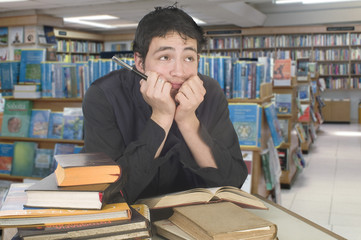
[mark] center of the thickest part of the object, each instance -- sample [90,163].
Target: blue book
[56,123]
[259,79]
[283,102]
[9,75]
[69,81]
[73,123]
[273,124]
[228,77]
[30,65]
[39,123]
[47,78]
[246,119]
[49,35]
[43,162]
[6,157]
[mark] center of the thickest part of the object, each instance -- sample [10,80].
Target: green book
[23,161]
[16,120]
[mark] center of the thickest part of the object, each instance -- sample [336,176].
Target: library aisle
[327,191]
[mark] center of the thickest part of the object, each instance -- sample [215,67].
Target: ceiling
[240,13]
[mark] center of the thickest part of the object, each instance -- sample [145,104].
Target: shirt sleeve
[101,134]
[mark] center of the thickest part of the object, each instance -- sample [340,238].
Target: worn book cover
[137,224]
[86,168]
[16,119]
[39,123]
[222,220]
[169,230]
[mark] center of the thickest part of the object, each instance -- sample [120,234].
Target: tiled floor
[328,190]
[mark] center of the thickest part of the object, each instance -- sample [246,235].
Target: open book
[204,195]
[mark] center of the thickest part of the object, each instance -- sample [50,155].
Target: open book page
[204,195]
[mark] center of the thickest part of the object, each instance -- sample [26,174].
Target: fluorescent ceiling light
[89,20]
[310,1]
[4,1]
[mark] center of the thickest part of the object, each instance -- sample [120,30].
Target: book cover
[30,65]
[49,34]
[16,119]
[41,35]
[43,162]
[14,214]
[9,76]
[123,229]
[6,157]
[267,169]
[70,81]
[29,34]
[73,123]
[282,72]
[4,32]
[285,128]
[62,148]
[39,123]
[302,69]
[23,161]
[169,230]
[55,129]
[273,124]
[246,119]
[304,113]
[86,168]
[283,103]
[17,55]
[283,157]
[222,220]
[16,34]
[304,92]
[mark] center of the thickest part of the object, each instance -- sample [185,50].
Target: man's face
[174,58]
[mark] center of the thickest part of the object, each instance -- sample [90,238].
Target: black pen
[127,66]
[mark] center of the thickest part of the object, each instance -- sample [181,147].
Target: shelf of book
[286,105]
[258,184]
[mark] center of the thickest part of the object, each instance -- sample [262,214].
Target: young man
[171,132]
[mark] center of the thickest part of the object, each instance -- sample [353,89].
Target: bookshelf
[289,169]
[75,46]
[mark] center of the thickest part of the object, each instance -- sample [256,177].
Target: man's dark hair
[161,21]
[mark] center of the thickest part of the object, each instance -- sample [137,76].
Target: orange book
[86,169]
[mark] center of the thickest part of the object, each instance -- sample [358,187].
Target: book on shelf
[267,169]
[9,76]
[4,35]
[246,119]
[26,95]
[302,69]
[169,230]
[23,160]
[248,160]
[6,157]
[304,114]
[136,227]
[27,87]
[304,92]
[273,124]
[30,65]
[39,123]
[285,128]
[283,103]
[30,34]
[222,220]
[86,168]
[283,157]
[16,118]
[73,123]
[16,34]
[43,162]
[197,196]
[17,55]
[49,34]
[301,133]
[55,129]
[282,72]
[14,214]
[47,194]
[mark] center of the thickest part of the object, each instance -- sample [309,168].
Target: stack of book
[76,201]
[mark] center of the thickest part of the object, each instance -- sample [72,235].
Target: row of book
[26,159]
[74,203]
[21,120]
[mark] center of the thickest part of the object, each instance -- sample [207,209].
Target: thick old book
[85,169]
[204,195]
[137,226]
[222,220]
[14,214]
[169,230]
[47,194]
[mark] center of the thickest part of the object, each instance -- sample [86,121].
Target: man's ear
[139,62]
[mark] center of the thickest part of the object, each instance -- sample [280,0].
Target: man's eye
[189,59]
[164,58]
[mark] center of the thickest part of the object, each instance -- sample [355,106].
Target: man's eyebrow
[160,49]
